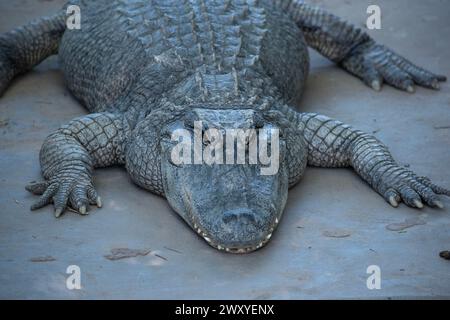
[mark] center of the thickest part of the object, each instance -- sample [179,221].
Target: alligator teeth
[199,231]
[227,249]
[242,250]
[207,239]
[219,247]
[268,236]
[276,220]
[259,245]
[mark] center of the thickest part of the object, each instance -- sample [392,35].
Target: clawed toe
[78,197]
[376,64]
[37,188]
[58,212]
[414,191]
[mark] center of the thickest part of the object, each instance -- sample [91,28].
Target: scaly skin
[356,51]
[69,156]
[145,69]
[23,48]
[334,144]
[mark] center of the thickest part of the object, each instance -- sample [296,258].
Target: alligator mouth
[241,250]
[236,250]
[232,249]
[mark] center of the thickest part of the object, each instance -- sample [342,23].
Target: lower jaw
[239,250]
[235,250]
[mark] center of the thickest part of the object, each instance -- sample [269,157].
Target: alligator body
[144,69]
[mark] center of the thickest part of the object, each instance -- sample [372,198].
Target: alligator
[146,68]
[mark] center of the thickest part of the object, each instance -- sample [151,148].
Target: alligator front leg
[69,156]
[334,144]
[356,51]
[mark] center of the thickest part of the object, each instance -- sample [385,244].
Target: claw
[435,84]
[393,201]
[418,203]
[58,212]
[438,204]
[99,202]
[83,210]
[376,85]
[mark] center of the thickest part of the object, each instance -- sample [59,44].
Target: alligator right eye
[166,135]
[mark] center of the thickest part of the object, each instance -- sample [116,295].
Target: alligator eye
[189,124]
[166,134]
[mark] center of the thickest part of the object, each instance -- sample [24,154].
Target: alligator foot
[401,185]
[76,192]
[375,64]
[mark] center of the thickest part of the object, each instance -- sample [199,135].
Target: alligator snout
[242,230]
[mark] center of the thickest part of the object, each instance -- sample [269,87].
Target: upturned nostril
[228,217]
[240,215]
[250,216]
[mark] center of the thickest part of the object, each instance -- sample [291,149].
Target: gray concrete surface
[300,262]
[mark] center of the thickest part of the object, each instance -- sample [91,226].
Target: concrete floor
[300,261]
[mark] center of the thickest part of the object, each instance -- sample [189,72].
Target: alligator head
[232,200]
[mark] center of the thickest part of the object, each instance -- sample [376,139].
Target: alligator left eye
[166,134]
